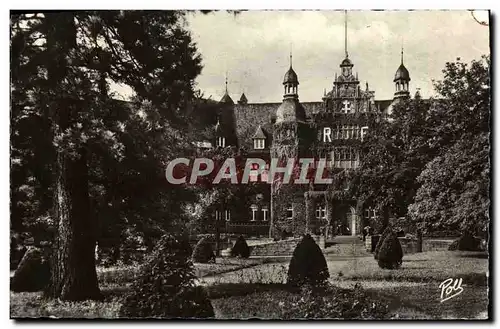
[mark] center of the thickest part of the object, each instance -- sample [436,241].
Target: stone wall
[409,246]
[436,244]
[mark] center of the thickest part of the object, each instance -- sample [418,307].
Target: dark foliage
[335,303]
[203,251]
[33,272]
[466,242]
[384,234]
[308,264]
[240,248]
[390,255]
[166,288]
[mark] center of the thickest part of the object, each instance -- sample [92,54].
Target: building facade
[331,129]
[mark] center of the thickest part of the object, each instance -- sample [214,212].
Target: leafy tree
[64,63]
[454,191]
[394,153]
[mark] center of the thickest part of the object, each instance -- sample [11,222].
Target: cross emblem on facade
[347,106]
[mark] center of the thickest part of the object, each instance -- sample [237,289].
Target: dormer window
[221,142]
[259,143]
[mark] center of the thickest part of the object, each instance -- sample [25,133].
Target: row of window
[341,132]
[344,132]
[320,213]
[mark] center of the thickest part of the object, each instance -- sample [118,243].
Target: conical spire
[226,98]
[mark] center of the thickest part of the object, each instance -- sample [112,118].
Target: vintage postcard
[239,164]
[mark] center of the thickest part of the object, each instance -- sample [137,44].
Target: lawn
[254,287]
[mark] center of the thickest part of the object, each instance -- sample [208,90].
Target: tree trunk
[74,274]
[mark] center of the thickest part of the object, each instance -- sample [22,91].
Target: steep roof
[290,77]
[259,133]
[402,74]
[226,99]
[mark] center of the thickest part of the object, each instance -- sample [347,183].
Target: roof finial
[345,31]
[324,91]
[290,55]
[402,50]
[226,81]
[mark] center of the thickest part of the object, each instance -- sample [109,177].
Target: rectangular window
[217,215]
[221,142]
[320,212]
[259,144]
[254,213]
[264,214]
[289,212]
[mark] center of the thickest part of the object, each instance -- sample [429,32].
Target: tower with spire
[402,80]
[291,138]
[225,129]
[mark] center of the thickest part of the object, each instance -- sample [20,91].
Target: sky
[253,48]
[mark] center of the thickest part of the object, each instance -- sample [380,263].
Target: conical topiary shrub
[390,255]
[384,234]
[240,248]
[166,287]
[33,271]
[203,251]
[308,264]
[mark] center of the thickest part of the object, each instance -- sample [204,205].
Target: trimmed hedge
[166,288]
[466,242]
[240,248]
[390,255]
[203,252]
[381,239]
[308,264]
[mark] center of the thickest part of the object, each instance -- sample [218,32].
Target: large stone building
[331,129]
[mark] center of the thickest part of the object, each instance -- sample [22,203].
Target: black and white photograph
[250,164]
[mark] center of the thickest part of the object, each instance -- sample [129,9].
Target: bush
[166,288]
[335,303]
[33,272]
[240,248]
[203,252]
[390,255]
[308,264]
[381,239]
[466,242]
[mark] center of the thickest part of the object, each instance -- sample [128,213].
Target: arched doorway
[342,219]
